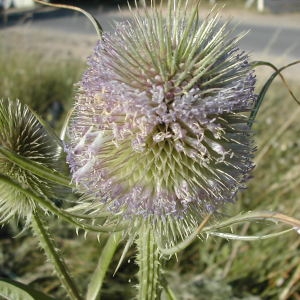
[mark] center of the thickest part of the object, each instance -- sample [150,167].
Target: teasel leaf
[12,290]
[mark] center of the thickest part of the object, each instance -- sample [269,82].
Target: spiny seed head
[158,130]
[22,133]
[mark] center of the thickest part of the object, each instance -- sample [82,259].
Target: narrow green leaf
[66,124]
[94,287]
[267,85]
[248,238]
[266,63]
[49,129]
[254,216]
[12,290]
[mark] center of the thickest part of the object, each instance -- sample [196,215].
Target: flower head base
[22,133]
[158,130]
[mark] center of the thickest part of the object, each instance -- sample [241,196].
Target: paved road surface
[273,39]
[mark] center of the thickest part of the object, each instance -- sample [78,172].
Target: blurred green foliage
[47,85]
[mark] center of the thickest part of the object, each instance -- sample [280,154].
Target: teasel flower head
[22,133]
[158,131]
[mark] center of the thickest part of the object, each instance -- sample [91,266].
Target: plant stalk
[150,270]
[54,257]
[94,287]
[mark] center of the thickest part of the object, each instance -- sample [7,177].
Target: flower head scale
[22,133]
[158,131]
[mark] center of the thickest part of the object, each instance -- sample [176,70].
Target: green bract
[22,134]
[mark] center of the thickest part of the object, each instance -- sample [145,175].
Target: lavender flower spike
[158,131]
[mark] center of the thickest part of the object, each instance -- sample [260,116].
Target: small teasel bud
[22,133]
[158,130]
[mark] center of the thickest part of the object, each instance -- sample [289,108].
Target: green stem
[48,205]
[35,168]
[169,293]
[150,271]
[52,254]
[105,258]
[94,22]
[255,216]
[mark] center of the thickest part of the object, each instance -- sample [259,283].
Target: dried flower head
[22,133]
[158,131]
